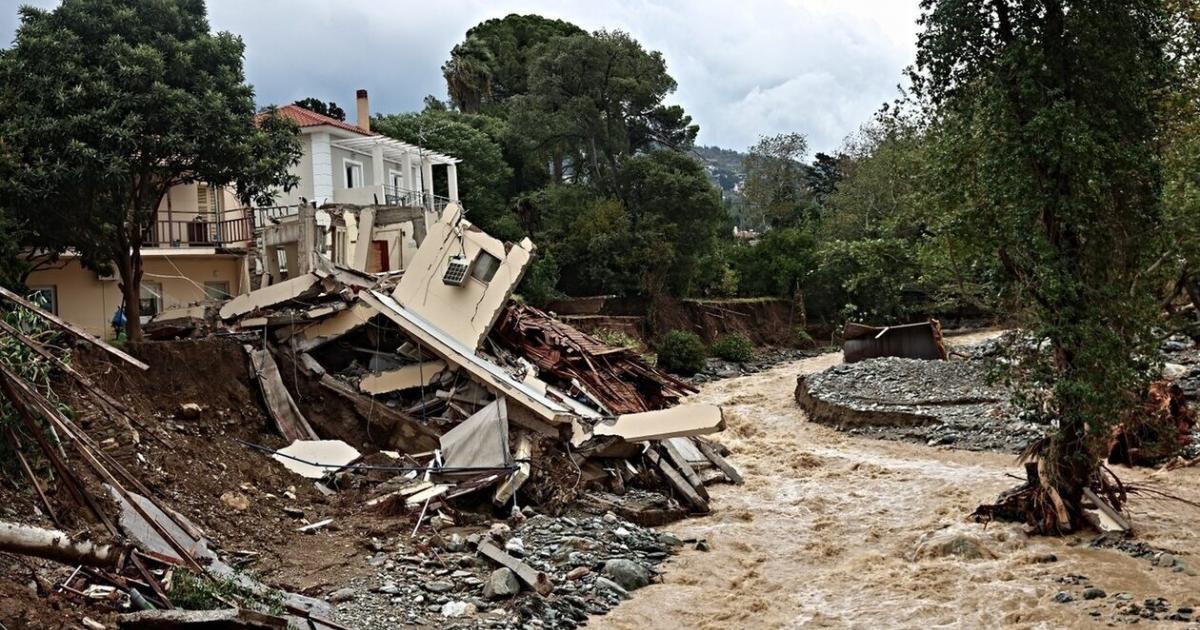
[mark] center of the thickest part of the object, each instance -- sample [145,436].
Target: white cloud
[820,67]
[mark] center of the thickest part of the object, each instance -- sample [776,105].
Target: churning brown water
[826,529]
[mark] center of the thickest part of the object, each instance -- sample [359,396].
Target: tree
[776,191]
[1046,120]
[330,109]
[491,64]
[108,104]
[483,175]
[594,99]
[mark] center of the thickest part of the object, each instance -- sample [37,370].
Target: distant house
[206,245]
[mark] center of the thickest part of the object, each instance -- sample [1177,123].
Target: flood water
[825,530]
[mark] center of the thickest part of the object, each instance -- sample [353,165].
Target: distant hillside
[724,168]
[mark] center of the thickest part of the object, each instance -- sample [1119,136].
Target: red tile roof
[306,118]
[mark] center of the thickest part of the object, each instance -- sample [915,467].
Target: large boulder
[629,574]
[501,583]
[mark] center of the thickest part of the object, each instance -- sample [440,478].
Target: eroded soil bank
[837,530]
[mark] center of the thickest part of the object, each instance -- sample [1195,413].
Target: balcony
[229,229]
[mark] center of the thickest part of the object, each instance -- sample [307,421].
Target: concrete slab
[681,420]
[332,453]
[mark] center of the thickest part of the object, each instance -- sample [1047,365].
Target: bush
[616,338]
[681,352]
[734,348]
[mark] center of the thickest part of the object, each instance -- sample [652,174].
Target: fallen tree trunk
[55,545]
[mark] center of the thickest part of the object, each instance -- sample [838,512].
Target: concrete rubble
[479,408]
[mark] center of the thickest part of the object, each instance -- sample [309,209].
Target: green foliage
[681,352]
[109,103]
[193,592]
[540,284]
[491,65]
[780,264]
[616,338]
[732,348]
[31,367]
[484,177]
[1046,157]
[330,109]
[777,190]
[595,99]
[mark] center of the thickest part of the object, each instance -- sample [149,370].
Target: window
[216,289]
[396,179]
[151,298]
[354,173]
[485,267]
[45,297]
[206,200]
[340,245]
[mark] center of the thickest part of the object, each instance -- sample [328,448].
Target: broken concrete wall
[465,312]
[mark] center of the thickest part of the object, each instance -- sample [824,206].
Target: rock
[236,501]
[500,531]
[500,584]
[457,609]
[343,595]
[944,544]
[670,540]
[630,574]
[702,545]
[188,411]
[455,543]
[515,547]
[578,573]
[1164,560]
[439,586]
[1044,558]
[1092,592]
[1064,597]
[611,586]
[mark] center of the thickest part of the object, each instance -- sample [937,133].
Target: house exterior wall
[466,312]
[89,302]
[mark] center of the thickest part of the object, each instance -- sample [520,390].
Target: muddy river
[827,528]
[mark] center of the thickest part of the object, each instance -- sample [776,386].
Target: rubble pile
[470,407]
[593,562]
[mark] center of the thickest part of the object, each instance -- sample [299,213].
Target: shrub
[616,338]
[681,352]
[734,348]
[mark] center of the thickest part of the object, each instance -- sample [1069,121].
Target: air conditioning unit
[456,271]
[111,277]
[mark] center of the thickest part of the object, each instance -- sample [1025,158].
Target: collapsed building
[475,404]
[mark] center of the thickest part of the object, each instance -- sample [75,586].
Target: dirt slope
[826,530]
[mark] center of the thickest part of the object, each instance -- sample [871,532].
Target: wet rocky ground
[953,403]
[716,369]
[594,563]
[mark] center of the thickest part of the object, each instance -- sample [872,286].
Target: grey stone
[1064,597]
[501,583]
[1092,592]
[630,574]
[606,584]
[343,595]
[439,586]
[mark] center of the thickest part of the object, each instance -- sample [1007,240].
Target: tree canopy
[330,108]
[109,103]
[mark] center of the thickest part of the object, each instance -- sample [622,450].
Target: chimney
[364,111]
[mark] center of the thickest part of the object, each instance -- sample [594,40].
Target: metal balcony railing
[226,230]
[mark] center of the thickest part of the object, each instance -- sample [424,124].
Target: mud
[835,530]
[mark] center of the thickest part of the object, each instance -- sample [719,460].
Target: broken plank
[268,296]
[74,330]
[518,476]
[719,462]
[312,527]
[288,419]
[537,580]
[677,481]
[1107,510]
[407,377]
[432,492]
[684,468]
[333,327]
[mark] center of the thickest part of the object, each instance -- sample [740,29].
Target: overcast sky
[746,68]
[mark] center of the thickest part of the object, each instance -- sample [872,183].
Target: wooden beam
[677,481]
[74,330]
[509,487]
[720,462]
[291,423]
[537,580]
[685,468]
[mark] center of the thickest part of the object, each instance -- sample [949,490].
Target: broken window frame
[350,178]
[486,261]
[155,299]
